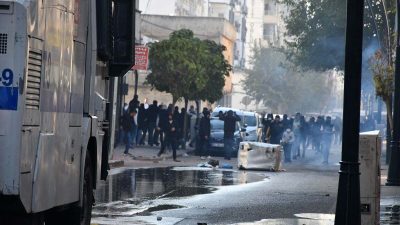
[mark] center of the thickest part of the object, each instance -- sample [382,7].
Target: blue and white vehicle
[59,66]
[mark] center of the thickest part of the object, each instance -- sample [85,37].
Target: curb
[116,163]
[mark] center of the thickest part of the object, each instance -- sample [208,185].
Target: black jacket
[163,119]
[152,113]
[142,118]
[127,122]
[169,134]
[229,124]
[205,127]
[276,130]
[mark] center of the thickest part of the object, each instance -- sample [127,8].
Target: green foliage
[276,82]
[187,67]
[382,75]
[217,68]
[317,30]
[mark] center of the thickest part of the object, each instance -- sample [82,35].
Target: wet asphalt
[305,193]
[190,195]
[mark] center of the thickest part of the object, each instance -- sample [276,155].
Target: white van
[249,121]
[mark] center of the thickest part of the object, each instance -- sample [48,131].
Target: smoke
[367,84]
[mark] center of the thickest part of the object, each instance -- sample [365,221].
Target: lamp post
[394,165]
[348,199]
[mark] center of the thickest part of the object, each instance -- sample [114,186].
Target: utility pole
[348,199]
[136,81]
[394,165]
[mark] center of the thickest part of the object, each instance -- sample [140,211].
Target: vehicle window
[217,125]
[250,121]
[214,114]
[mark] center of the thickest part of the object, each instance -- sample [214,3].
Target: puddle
[136,185]
[289,222]
[390,214]
[316,216]
[132,192]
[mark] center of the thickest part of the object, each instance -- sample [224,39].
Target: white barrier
[259,156]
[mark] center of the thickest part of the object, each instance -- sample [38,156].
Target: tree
[384,82]
[188,68]
[176,64]
[283,88]
[317,30]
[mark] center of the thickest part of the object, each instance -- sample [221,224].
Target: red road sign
[141,57]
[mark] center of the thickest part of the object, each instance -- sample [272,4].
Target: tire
[77,215]
[85,212]
[24,219]
[36,219]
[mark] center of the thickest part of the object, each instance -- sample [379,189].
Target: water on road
[129,194]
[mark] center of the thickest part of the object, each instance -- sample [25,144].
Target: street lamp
[394,165]
[348,199]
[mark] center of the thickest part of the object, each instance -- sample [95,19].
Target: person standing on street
[152,114]
[287,141]
[266,126]
[230,119]
[275,130]
[204,133]
[171,137]
[122,133]
[338,130]
[327,134]
[128,123]
[297,136]
[134,103]
[286,122]
[141,120]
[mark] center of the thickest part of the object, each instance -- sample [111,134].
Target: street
[304,192]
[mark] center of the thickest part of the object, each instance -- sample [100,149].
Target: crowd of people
[297,134]
[155,125]
[161,125]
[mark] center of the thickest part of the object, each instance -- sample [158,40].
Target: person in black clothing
[152,114]
[230,120]
[317,132]
[170,137]
[266,125]
[182,135]
[128,123]
[204,133]
[286,122]
[303,134]
[176,116]
[162,124]
[275,131]
[134,103]
[142,124]
[327,134]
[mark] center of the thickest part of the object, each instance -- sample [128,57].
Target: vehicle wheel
[85,212]
[36,219]
[77,215]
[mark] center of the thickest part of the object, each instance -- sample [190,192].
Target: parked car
[216,141]
[250,121]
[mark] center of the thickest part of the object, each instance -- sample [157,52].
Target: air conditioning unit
[370,178]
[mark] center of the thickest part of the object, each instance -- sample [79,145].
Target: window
[269,32]
[269,29]
[269,8]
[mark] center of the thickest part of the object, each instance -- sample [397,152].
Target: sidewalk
[146,156]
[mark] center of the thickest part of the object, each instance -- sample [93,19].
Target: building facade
[159,27]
